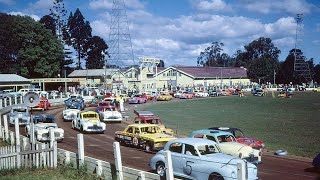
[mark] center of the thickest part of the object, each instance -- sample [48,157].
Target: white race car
[41,131]
[88,121]
[70,114]
[110,114]
[21,113]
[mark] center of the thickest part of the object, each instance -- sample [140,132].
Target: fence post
[32,138]
[169,170]
[24,143]
[241,168]
[117,158]
[80,149]
[142,176]
[21,99]
[15,100]
[99,168]
[10,100]
[6,130]
[1,103]
[61,95]
[5,102]
[16,128]
[53,144]
[1,135]
[11,138]
[67,160]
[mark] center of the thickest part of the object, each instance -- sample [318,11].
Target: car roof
[229,129]
[88,112]
[210,132]
[142,125]
[193,141]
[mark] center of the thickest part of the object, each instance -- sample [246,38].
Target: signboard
[57,80]
[150,60]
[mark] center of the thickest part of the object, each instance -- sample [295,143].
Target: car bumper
[112,119]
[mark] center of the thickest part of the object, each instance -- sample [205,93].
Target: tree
[34,51]
[49,23]
[58,13]
[79,33]
[260,57]
[97,49]
[212,56]
[316,77]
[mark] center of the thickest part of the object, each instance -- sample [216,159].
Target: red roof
[213,72]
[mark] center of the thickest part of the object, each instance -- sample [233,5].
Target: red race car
[43,104]
[241,138]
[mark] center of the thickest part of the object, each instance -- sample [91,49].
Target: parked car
[146,136]
[201,94]
[110,114]
[43,104]
[41,131]
[138,99]
[21,113]
[257,92]
[74,103]
[186,95]
[241,138]
[199,159]
[286,93]
[214,93]
[88,121]
[147,117]
[178,94]
[11,93]
[229,145]
[164,97]
[70,114]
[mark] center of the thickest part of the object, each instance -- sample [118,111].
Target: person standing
[121,104]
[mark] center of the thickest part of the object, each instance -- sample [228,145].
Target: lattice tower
[120,46]
[301,67]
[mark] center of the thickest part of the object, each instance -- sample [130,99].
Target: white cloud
[107,4]
[35,17]
[212,5]
[288,6]
[7,2]
[41,5]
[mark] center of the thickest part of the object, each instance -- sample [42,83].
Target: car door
[176,150]
[190,161]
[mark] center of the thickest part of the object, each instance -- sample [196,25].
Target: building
[152,78]
[13,81]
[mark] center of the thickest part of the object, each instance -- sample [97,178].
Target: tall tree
[316,76]
[49,23]
[260,57]
[58,13]
[212,56]
[35,51]
[80,33]
[97,49]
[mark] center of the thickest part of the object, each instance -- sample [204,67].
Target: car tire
[215,176]
[161,169]
[81,129]
[148,147]
[135,142]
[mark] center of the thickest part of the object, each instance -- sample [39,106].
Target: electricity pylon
[120,46]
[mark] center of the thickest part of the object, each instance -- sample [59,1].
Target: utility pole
[274,76]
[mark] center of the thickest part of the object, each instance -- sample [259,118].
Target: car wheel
[138,102]
[148,147]
[215,176]
[161,169]
[135,142]
[81,128]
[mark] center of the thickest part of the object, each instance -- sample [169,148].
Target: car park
[137,99]
[21,113]
[229,145]
[199,159]
[70,114]
[110,114]
[147,117]
[88,121]
[241,138]
[146,136]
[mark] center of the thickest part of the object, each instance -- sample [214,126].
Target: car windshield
[20,110]
[151,130]
[226,138]
[208,149]
[153,121]
[109,109]
[104,104]
[89,115]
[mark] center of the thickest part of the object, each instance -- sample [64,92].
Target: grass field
[292,124]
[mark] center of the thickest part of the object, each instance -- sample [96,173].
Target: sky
[176,31]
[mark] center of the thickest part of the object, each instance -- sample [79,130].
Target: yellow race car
[164,97]
[146,136]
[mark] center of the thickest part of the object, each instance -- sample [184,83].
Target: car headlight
[233,175]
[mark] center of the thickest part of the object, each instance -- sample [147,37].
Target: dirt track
[100,146]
